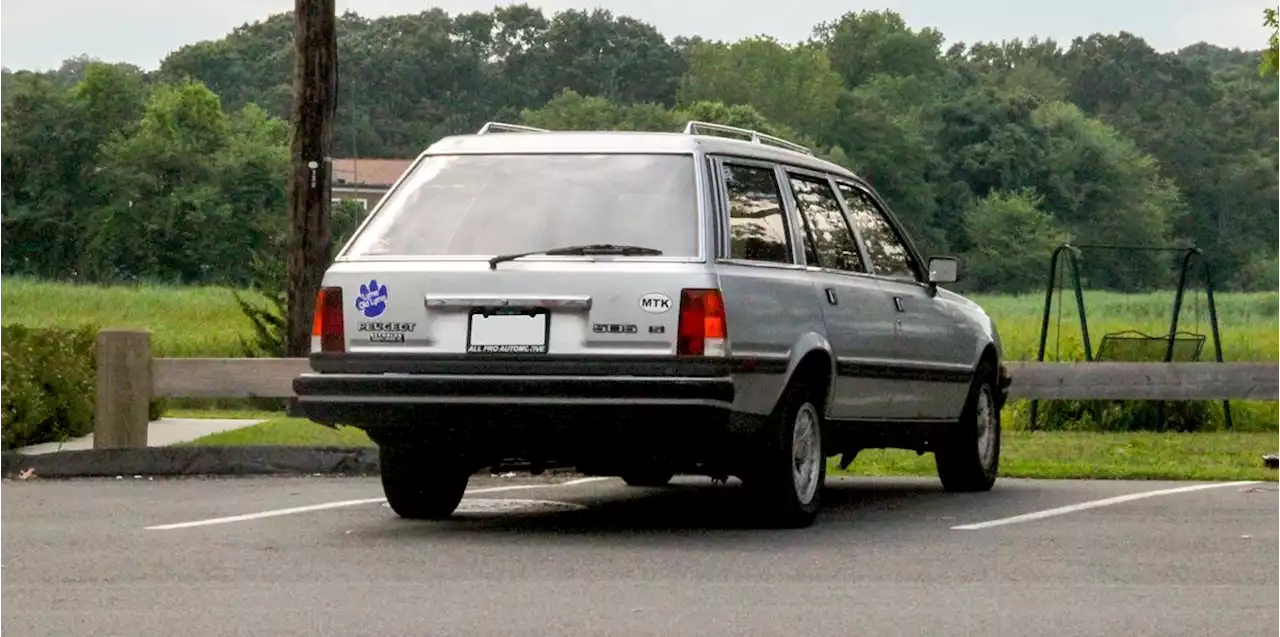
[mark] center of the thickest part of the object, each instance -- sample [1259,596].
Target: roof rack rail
[757,137]
[491,127]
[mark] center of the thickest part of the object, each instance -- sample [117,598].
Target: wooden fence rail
[128,378]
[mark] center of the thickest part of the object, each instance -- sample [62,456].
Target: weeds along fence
[129,378]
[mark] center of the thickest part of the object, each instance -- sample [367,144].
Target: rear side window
[834,244]
[887,251]
[759,225]
[499,204]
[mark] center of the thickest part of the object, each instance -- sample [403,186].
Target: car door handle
[897,303]
[831,297]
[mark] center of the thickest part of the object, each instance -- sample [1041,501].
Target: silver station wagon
[716,302]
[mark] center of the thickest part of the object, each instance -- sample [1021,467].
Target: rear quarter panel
[772,315]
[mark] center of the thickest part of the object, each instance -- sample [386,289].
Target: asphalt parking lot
[324,556]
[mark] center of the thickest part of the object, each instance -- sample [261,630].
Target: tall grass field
[206,322]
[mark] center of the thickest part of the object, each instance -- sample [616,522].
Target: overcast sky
[39,34]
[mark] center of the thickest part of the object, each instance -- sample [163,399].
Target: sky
[41,33]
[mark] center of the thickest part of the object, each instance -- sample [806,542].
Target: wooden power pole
[315,83]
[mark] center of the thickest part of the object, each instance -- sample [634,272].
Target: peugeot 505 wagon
[715,302]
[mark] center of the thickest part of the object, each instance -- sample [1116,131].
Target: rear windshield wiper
[583,250]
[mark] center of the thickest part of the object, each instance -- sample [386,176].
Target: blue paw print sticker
[372,299]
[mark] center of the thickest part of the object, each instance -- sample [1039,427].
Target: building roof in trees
[351,171]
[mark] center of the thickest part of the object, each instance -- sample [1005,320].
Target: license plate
[508,332]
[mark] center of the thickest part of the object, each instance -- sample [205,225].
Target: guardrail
[128,378]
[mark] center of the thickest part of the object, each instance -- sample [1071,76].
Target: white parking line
[348,503]
[1072,508]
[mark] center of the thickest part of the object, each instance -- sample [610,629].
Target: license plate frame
[498,324]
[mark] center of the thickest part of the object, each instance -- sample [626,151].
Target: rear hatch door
[417,277]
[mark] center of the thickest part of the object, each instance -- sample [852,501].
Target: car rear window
[500,204]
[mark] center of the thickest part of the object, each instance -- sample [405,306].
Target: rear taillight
[327,331]
[702,330]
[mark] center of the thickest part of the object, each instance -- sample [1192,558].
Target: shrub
[47,384]
[1129,415]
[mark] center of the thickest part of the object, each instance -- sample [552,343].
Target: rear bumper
[390,390]
[575,420]
[376,390]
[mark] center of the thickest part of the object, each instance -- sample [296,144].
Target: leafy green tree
[887,129]
[794,86]
[1033,66]
[1105,190]
[615,57]
[868,43]
[51,156]
[573,111]
[1010,238]
[194,191]
[253,63]
[43,159]
[987,140]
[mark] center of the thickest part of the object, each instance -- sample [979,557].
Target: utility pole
[315,83]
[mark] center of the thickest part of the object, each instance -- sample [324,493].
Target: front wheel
[970,458]
[791,466]
[420,485]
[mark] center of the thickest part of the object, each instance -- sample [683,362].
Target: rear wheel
[790,466]
[969,460]
[421,485]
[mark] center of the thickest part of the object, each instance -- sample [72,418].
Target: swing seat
[1132,346]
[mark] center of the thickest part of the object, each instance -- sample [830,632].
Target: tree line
[993,151]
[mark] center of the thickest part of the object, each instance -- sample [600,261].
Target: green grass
[184,321]
[286,431]
[1050,455]
[1249,322]
[1131,456]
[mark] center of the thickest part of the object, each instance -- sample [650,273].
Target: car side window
[757,220]
[887,251]
[833,241]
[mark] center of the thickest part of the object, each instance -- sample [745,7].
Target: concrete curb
[194,461]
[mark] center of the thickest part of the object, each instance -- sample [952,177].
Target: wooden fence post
[122,402]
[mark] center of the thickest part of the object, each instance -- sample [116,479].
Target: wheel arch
[989,360]
[812,360]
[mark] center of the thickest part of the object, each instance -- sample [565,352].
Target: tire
[421,485]
[789,496]
[648,478]
[969,460]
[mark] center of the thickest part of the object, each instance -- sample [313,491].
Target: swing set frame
[1190,255]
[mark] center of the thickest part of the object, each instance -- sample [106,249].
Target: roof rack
[757,137]
[492,127]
